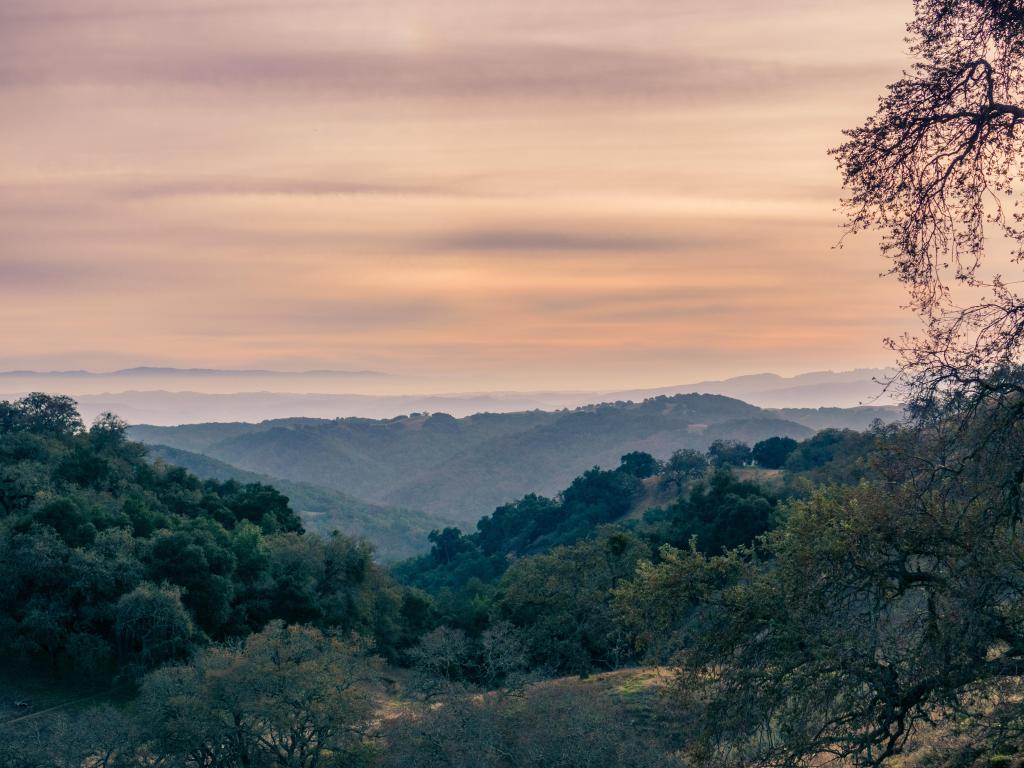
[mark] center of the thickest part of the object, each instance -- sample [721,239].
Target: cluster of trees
[530,525]
[286,696]
[719,513]
[876,612]
[112,564]
[535,524]
[688,464]
[296,697]
[547,568]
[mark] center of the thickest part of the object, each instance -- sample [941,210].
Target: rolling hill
[396,533]
[463,468]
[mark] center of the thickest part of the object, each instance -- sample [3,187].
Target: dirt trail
[30,715]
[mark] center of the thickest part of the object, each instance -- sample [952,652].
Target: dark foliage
[640,464]
[112,563]
[396,534]
[729,453]
[531,525]
[773,452]
[722,513]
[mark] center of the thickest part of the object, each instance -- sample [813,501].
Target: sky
[464,194]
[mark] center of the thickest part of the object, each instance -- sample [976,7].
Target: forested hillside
[113,565]
[220,623]
[461,468]
[395,533]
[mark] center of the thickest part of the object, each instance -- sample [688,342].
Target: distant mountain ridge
[464,467]
[862,386]
[152,397]
[148,370]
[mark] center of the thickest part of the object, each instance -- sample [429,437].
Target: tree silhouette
[934,171]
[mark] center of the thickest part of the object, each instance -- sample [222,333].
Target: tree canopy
[112,564]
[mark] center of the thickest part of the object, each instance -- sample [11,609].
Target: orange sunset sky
[475,193]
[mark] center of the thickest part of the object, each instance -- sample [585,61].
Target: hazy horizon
[182,397]
[325,381]
[189,379]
